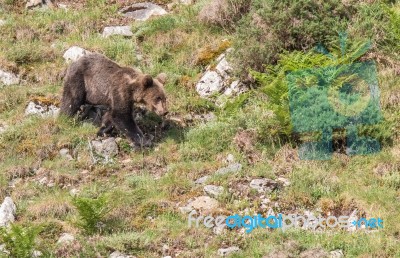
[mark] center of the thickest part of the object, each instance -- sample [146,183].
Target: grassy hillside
[132,203]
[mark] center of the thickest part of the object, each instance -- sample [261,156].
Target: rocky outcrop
[219,80]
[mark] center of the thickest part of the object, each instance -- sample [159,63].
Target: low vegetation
[131,204]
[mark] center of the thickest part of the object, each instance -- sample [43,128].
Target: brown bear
[96,80]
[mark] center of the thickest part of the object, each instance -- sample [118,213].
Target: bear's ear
[147,81]
[162,77]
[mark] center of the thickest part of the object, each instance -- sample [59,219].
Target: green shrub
[273,83]
[18,240]
[275,26]
[91,212]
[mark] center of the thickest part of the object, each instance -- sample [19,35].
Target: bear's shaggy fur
[96,80]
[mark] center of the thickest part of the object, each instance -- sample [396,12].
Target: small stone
[117,30]
[142,11]
[73,192]
[202,180]
[232,168]
[65,238]
[74,53]
[263,185]
[165,250]
[7,78]
[213,190]
[107,148]
[65,154]
[284,181]
[36,253]
[43,111]
[228,251]
[7,212]
[3,127]
[43,180]
[2,22]
[336,254]
[39,3]
[13,183]
[117,254]
[64,151]
[63,6]
[185,209]
[3,249]
[204,203]
[230,158]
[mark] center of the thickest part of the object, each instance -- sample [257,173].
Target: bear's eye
[159,99]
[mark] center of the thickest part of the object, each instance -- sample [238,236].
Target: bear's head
[153,94]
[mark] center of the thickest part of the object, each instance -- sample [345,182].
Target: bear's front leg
[126,125]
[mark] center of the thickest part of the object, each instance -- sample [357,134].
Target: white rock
[224,68]
[74,53]
[213,190]
[209,84]
[165,250]
[3,127]
[7,78]
[228,251]
[73,192]
[39,3]
[117,30]
[106,148]
[142,11]
[43,111]
[203,203]
[7,212]
[232,168]
[63,6]
[263,185]
[202,180]
[284,181]
[230,158]
[65,238]
[336,254]
[43,180]
[117,254]
[3,249]
[36,253]
[2,22]
[235,88]
[65,154]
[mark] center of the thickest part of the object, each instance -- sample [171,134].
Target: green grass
[146,188]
